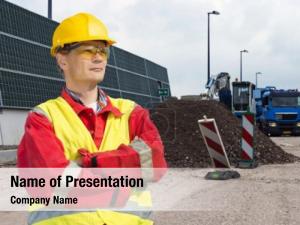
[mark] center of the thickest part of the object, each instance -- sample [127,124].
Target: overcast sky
[173,33]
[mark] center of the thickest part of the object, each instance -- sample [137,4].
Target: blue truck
[277,111]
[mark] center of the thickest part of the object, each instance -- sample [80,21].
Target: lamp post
[50,9]
[208,44]
[241,63]
[256,78]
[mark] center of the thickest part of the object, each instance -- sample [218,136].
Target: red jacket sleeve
[123,157]
[39,146]
[147,151]
[142,126]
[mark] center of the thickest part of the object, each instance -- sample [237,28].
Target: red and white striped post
[247,154]
[213,142]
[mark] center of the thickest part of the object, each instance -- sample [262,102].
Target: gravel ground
[289,144]
[268,195]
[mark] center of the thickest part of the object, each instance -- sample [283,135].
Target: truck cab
[242,98]
[280,112]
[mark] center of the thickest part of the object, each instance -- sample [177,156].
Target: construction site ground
[269,195]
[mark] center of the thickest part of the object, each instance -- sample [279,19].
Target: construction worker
[84,127]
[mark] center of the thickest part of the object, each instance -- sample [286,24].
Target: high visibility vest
[73,134]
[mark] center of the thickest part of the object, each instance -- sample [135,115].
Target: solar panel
[29,75]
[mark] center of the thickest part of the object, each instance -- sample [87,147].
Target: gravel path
[268,195]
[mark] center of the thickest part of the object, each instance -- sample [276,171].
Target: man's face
[84,64]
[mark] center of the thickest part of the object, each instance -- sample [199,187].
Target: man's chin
[100,80]
[96,79]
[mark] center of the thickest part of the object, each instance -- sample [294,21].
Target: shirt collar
[104,103]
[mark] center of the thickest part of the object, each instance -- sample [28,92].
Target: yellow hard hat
[77,28]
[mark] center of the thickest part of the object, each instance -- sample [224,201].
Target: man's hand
[84,157]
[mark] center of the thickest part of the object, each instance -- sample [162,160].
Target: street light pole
[256,78]
[50,9]
[241,64]
[208,43]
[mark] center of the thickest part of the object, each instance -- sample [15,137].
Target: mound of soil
[176,121]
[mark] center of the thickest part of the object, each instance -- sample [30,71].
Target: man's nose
[98,58]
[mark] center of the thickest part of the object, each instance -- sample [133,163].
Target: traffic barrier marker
[247,153]
[213,142]
[216,150]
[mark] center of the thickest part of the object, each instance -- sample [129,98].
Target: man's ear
[61,60]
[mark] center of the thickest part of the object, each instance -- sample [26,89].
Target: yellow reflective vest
[74,135]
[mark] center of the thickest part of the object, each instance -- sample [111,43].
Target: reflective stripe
[143,214]
[144,152]
[71,170]
[114,196]
[40,112]
[37,216]
[145,155]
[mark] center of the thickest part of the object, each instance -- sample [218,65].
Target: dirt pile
[184,147]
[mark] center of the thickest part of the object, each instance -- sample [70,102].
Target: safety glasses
[90,51]
[87,51]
